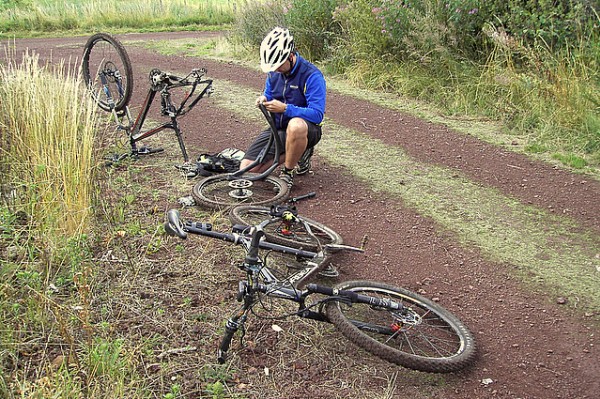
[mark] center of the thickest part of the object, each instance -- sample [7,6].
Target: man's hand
[275,106]
[260,100]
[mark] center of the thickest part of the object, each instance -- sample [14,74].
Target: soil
[529,344]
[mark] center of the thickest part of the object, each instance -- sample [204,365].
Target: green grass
[72,17]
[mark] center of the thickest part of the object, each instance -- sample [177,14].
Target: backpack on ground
[226,161]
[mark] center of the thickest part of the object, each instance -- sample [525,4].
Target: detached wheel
[423,336]
[219,192]
[294,235]
[107,72]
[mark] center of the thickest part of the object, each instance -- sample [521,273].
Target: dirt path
[530,346]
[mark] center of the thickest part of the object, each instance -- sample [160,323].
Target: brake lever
[173,225]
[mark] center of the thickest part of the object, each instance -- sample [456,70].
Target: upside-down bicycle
[108,74]
[390,322]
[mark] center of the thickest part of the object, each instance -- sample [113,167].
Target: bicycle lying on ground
[390,322]
[108,74]
[225,191]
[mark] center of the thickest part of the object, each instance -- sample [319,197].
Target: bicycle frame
[260,280]
[163,83]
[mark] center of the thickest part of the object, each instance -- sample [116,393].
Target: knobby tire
[102,51]
[296,236]
[441,343]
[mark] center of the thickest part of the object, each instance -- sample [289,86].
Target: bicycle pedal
[114,158]
[148,150]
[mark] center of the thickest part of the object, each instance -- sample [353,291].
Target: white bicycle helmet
[275,49]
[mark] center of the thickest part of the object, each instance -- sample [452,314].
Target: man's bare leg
[296,142]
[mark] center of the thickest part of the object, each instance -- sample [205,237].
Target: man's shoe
[329,271]
[287,175]
[304,162]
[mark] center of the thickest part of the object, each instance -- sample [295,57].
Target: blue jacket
[303,90]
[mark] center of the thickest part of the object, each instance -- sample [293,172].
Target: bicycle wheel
[107,72]
[218,191]
[424,336]
[293,235]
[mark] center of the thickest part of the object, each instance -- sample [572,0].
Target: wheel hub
[241,189]
[110,71]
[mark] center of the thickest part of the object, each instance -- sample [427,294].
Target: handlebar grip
[329,291]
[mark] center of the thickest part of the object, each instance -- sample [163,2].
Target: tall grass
[47,135]
[48,130]
[86,15]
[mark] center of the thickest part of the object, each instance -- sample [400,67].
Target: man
[295,93]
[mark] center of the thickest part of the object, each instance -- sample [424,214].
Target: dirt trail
[530,346]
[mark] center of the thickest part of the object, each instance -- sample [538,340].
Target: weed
[216,390]
[174,392]
[571,160]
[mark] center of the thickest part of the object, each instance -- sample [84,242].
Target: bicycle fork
[235,322]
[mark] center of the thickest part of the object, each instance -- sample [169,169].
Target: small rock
[561,300]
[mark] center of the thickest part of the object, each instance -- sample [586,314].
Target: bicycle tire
[439,342]
[103,52]
[294,236]
[215,192]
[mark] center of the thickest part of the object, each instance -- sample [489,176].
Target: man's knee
[297,129]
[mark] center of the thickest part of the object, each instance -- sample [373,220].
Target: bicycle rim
[107,71]
[426,337]
[219,192]
[293,235]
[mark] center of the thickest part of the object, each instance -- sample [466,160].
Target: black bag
[226,161]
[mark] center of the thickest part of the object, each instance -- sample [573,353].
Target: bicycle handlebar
[174,226]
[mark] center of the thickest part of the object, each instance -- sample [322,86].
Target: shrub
[254,20]
[361,35]
[311,23]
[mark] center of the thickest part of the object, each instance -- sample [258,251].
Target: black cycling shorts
[314,136]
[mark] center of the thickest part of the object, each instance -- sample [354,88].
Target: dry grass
[49,135]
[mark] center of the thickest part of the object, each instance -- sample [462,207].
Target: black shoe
[304,162]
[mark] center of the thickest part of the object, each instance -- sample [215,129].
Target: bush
[310,21]
[362,36]
[556,23]
[254,20]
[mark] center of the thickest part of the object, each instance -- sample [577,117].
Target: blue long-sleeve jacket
[303,90]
